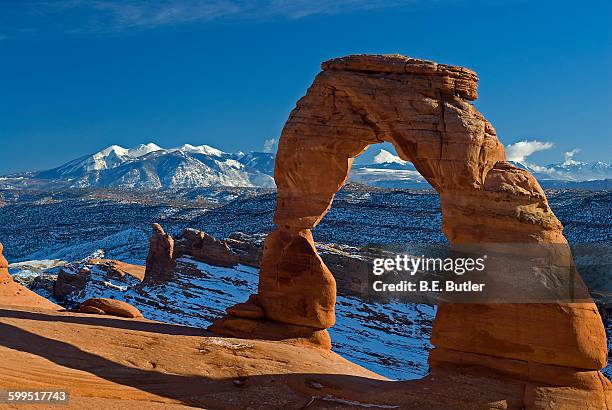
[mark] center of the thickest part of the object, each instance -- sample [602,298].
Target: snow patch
[384,157]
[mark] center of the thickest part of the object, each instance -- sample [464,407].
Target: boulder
[110,307]
[91,309]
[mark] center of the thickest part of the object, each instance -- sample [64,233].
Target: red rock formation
[302,291]
[160,260]
[92,310]
[4,273]
[205,248]
[110,307]
[69,282]
[423,109]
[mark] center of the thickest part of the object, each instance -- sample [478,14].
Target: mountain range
[571,174]
[148,166]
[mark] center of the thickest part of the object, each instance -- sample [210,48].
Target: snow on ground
[117,246]
[390,339]
[34,268]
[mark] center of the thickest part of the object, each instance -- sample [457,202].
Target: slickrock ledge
[112,362]
[116,363]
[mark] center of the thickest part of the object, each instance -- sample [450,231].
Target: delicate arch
[423,109]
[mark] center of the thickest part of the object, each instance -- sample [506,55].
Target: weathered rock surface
[110,307]
[91,309]
[145,364]
[423,109]
[152,365]
[246,320]
[69,282]
[160,260]
[249,309]
[302,291]
[205,248]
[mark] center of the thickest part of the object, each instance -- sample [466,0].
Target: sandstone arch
[423,109]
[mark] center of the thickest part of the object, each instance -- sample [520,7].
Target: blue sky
[77,76]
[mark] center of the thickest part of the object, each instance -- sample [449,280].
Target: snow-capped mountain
[381,168]
[111,157]
[571,174]
[149,166]
[575,171]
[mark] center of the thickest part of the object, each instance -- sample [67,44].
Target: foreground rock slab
[141,362]
[146,364]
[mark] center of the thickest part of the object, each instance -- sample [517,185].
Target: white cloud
[115,16]
[569,156]
[519,151]
[269,145]
[121,15]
